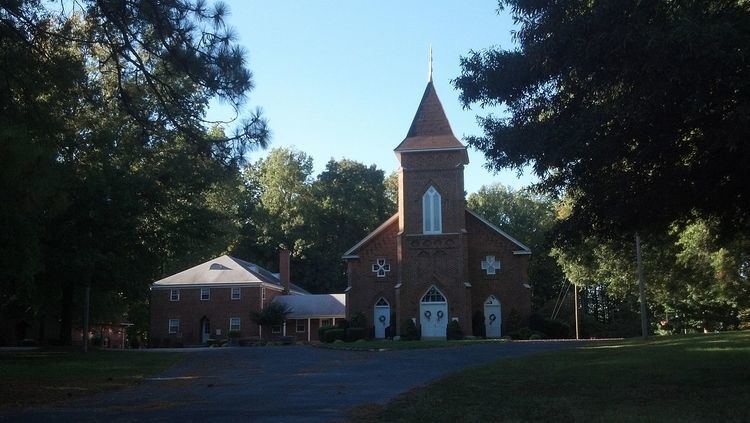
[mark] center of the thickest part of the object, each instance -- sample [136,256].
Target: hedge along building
[215,297]
[434,260]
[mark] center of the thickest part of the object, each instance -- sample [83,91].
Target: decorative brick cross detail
[381,268]
[490,265]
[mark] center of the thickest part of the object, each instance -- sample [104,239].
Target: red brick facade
[191,311]
[450,260]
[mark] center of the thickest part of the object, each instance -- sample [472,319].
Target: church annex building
[435,260]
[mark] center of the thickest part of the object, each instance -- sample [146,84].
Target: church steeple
[429,74]
[430,129]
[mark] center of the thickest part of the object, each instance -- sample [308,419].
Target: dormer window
[432,215]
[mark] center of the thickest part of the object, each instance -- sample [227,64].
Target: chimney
[284,259]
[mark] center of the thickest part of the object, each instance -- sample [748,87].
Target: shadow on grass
[680,378]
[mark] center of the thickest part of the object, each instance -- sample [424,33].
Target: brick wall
[190,310]
[507,283]
[366,286]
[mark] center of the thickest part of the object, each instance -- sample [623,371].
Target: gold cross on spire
[429,74]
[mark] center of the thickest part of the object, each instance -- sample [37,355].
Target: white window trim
[276,329]
[208,290]
[239,293]
[304,326]
[432,211]
[176,326]
[171,295]
[231,323]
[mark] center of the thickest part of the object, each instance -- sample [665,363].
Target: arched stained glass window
[432,214]
[433,296]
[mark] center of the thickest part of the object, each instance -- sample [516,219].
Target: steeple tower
[430,129]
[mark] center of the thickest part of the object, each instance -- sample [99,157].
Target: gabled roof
[313,305]
[430,129]
[223,270]
[351,251]
[523,248]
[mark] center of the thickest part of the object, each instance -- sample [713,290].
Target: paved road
[276,384]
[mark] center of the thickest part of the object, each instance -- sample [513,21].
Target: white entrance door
[205,330]
[382,317]
[492,317]
[433,314]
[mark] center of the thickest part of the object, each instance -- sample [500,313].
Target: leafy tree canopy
[638,110]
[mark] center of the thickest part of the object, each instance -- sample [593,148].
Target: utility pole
[641,287]
[575,302]
[85,332]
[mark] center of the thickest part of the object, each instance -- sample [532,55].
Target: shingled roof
[223,271]
[430,129]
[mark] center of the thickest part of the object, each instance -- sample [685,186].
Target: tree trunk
[66,315]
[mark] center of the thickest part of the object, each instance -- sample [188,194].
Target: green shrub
[513,322]
[233,334]
[322,331]
[453,331]
[409,331]
[536,335]
[358,320]
[523,333]
[554,329]
[354,334]
[477,324]
[342,324]
[333,334]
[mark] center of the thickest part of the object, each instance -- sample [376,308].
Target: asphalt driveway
[276,384]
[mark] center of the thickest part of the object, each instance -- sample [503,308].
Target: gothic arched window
[432,215]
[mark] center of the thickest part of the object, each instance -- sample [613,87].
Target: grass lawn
[677,378]
[387,344]
[40,377]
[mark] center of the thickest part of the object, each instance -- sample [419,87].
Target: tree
[636,109]
[273,314]
[391,192]
[317,218]
[349,201]
[696,282]
[110,159]
[529,218]
[276,206]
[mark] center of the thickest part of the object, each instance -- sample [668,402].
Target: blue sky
[342,79]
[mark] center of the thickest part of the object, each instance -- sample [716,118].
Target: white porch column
[283,329]
[308,329]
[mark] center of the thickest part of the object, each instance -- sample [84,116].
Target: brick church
[435,260]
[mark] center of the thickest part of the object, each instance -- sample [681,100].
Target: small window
[174,325]
[276,329]
[301,326]
[236,293]
[174,295]
[326,322]
[205,294]
[432,214]
[433,296]
[234,324]
[381,267]
[263,295]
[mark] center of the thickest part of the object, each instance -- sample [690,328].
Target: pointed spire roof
[430,128]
